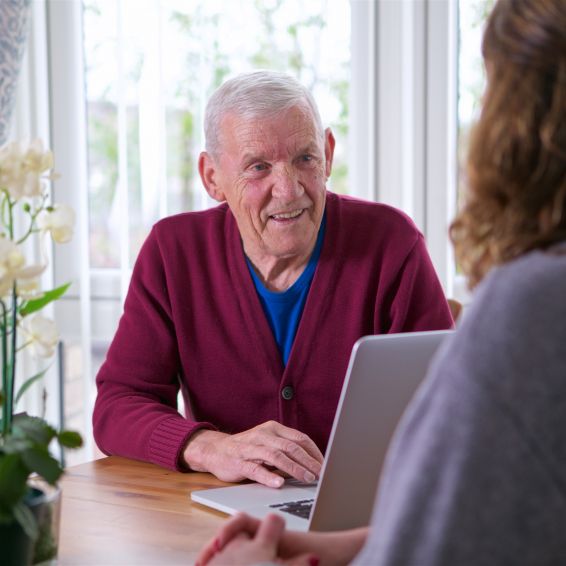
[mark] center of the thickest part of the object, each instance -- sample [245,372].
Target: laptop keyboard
[299,508]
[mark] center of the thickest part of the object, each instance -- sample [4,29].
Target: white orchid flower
[21,168]
[12,266]
[12,174]
[36,160]
[42,334]
[59,220]
[28,289]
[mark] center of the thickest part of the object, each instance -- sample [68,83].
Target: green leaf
[34,428]
[70,439]
[25,517]
[37,304]
[13,478]
[6,516]
[40,461]
[28,383]
[15,445]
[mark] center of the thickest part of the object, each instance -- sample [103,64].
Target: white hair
[255,95]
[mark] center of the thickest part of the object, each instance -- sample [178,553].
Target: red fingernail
[313,561]
[217,545]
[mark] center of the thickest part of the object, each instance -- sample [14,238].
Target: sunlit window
[150,67]
[471,74]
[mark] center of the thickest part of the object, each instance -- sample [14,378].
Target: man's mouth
[287,215]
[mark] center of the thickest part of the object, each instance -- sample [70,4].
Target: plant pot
[17,548]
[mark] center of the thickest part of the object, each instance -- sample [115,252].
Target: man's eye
[306,158]
[258,167]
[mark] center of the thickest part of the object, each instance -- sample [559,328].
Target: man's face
[272,173]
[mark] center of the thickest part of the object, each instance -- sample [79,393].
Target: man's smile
[287,216]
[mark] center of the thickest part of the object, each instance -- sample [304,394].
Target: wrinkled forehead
[293,125]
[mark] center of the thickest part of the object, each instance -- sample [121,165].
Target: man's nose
[286,184]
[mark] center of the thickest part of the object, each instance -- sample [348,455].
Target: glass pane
[471,74]
[150,67]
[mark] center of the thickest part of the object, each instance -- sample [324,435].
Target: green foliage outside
[278,45]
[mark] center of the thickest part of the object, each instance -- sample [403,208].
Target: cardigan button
[287,392]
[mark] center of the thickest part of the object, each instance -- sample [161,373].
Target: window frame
[402,141]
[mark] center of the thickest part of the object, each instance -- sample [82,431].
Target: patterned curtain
[14,17]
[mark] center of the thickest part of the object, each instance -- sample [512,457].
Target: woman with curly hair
[476,474]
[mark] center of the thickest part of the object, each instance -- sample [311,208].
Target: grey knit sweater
[476,474]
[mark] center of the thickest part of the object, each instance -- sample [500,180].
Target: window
[472,15]
[151,66]
[471,77]
[388,76]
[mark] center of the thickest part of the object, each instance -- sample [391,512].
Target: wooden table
[119,511]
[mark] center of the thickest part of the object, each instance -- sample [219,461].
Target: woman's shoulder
[532,285]
[511,338]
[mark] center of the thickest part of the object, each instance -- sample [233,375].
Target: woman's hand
[245,541]
[291,547]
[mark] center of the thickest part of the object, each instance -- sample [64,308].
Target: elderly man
[252,307]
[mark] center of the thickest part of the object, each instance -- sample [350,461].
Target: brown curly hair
[516,166]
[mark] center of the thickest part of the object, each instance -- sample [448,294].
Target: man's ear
[329,144]
[209,175]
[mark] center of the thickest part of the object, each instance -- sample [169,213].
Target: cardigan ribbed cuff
[169,439]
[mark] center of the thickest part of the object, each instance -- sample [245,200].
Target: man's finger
[297,437]
[282,447]
[256,471]
[296,455]
[258,459]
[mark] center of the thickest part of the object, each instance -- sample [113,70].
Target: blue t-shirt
[284,310]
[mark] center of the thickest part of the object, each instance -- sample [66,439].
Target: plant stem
[33,215]
[25,345]
[5,199]
[13,350]
[6,414]
[13,315]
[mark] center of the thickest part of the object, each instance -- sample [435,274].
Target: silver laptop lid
[383,373]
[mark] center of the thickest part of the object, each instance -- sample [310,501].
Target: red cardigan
[192,318]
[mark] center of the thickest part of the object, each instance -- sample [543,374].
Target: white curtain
[14,24]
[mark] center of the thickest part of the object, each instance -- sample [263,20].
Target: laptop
[383,374]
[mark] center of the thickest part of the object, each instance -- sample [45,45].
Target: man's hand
[245,541]
[250,454]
